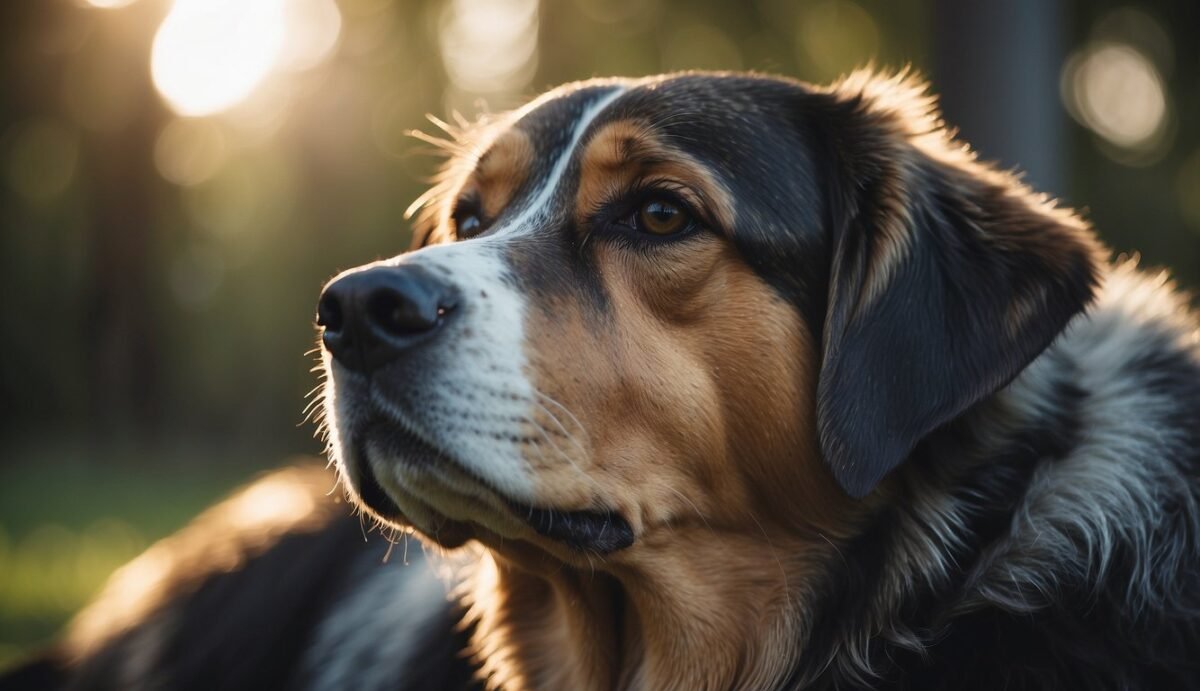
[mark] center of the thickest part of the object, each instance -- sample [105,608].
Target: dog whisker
[787,590]
[695,508]
[567,411]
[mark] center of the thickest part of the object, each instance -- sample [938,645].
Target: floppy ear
[947,278]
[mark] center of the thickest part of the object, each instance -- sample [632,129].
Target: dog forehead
[668,103]
[748,129]
[550,121]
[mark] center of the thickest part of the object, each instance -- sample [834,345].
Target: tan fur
[732,506]
[695,345]
[501,171]
[489,158]
[625,153]
[678,389]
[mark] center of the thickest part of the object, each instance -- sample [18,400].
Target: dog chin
[364,460]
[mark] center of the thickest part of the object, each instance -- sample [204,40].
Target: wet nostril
[329,312]
[401,315]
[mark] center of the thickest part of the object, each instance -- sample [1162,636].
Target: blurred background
[178,177]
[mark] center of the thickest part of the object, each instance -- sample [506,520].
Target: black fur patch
[912,344]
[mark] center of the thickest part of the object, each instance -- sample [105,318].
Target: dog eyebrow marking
[536,208]
[625,153]
[501,171]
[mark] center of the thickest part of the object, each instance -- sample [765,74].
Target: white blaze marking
[488,376]
[536,208]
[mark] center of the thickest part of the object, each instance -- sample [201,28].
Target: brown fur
[626,153]
[501,171]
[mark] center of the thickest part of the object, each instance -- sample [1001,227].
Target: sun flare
[210,55]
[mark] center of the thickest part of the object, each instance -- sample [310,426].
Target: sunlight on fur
[251,521]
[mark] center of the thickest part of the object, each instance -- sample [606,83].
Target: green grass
[66,525]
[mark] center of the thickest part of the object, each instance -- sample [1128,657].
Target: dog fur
[881,417]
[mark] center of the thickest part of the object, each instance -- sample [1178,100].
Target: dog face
[710,300]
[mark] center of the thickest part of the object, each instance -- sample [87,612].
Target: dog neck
[704,610]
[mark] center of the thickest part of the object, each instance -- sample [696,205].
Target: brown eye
[661,217]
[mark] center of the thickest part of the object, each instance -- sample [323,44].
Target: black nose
[370,317]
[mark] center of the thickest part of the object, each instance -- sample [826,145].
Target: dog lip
[371,492]
[375,497]
[599,531]
[595,531]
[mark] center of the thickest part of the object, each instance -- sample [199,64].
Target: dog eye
[468,226]
[661,217]
[467,222]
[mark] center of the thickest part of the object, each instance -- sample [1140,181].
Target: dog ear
[947,278]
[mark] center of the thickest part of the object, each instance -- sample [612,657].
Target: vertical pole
[996,67]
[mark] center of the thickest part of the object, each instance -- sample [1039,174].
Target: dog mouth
[587,530]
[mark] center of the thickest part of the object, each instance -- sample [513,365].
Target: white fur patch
[475,393]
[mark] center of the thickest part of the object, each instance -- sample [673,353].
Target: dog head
[713,298]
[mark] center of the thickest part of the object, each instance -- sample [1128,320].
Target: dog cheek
[762,356]
[568,374]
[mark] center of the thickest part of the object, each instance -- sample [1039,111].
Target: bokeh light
[106,4]
[264,113]
[311,30]
[210,54]
[489,46]
[1116,91]
[1139,29]
[172,205]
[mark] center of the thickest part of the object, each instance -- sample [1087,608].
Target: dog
[711,381]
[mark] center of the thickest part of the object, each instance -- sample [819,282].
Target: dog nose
[370,317]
